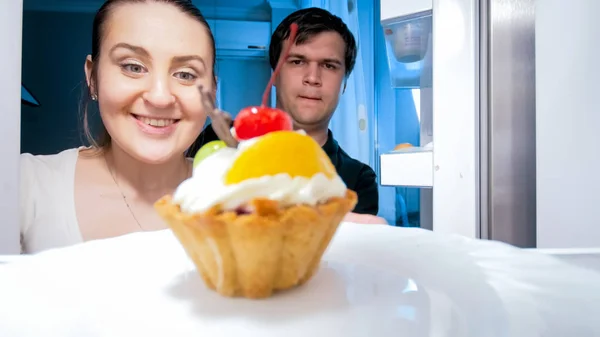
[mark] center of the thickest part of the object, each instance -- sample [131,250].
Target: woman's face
[153,58]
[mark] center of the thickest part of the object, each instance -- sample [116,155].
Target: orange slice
[281,152]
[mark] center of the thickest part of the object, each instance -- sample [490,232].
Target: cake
[256,218]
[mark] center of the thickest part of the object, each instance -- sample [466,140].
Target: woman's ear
[87,67]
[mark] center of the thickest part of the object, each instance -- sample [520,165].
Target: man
[308,88]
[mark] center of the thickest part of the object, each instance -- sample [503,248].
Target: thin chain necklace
[123,194]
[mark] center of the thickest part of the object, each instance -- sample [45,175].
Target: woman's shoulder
[47,163]
[46,200]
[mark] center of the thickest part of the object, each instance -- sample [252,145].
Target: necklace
[123,194]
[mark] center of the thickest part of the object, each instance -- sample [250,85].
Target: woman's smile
[156,126]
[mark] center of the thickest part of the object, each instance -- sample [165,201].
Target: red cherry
[256,121]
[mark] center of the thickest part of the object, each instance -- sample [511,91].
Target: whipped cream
[206,188]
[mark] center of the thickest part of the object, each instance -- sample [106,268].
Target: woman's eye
[133,68]
[182,75]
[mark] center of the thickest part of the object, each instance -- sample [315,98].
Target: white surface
[375,281]
[11,14]
[455,117]
[394,8]
[407,168]
[567,121]
[583,257]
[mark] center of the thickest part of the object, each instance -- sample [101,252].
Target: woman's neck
[142,180]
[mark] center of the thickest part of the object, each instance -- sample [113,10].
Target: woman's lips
[156,126]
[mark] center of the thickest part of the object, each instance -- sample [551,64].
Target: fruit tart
[256,218]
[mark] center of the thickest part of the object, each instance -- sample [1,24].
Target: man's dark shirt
[357,176]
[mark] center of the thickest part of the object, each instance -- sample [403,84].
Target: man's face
[311,78]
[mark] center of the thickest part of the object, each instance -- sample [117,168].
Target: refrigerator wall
[567,118]
[10,104]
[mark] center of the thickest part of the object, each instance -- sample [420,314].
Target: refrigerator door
[508,177]
[11,14]
[456,117]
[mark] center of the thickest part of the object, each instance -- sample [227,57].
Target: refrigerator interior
[404,119]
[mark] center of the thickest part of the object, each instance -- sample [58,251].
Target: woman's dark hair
[100,139]
[313,21]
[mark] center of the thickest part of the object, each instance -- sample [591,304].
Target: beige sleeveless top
[47,201]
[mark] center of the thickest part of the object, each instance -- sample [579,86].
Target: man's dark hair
[312,21]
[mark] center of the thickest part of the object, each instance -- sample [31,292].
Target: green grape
[207,150]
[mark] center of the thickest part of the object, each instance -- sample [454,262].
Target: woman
[148,60]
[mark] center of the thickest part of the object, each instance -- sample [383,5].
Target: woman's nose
[159,94]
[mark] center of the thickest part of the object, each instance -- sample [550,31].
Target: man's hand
[365,219]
